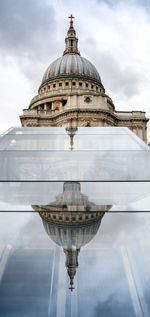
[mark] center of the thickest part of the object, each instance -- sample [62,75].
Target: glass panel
[104,275]
[73,196]
[111,164]
[25,285]
[73,253]
[81,142]
[75,165]
[62,130]
[94,266]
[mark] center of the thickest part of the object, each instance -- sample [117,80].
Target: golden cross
[71,20]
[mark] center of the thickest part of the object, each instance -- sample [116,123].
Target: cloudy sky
[113,34]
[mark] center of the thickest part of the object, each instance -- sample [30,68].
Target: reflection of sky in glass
[112,279]
[25,284]
[108,291]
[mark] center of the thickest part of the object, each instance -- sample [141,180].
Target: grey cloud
[113,304]
[26,27]
[124,81]
[123,228]
[34,233]
[27,34]
[114,3]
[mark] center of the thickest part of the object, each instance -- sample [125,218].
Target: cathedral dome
[77,235]
[71,65]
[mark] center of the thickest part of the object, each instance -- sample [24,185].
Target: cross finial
[71,20]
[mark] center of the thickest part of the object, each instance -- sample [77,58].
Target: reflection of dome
[72,236]
[71,199]
[71,222]
[71,65]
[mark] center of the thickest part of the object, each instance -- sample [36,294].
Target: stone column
[45,108]
[145,134]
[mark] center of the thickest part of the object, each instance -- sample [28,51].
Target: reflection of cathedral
[71,222]
[70,200]
[71,92]
[72,235]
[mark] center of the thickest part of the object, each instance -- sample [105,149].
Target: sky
[113,35]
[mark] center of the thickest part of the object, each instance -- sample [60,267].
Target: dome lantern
[71,40]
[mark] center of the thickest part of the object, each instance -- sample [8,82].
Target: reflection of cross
[71,20]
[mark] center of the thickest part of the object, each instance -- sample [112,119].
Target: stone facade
[72,94]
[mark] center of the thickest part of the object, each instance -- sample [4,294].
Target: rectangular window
[60,84]
[67,84]
[73,84]
[54,85]
[80,84]
[92,86]
[86,85]
[71,43]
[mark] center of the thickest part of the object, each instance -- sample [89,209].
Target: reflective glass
[62,130]
[84,167]
[94,196]
[92,266]
[81,142]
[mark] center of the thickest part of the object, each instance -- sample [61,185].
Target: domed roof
[76,235]
[71,65]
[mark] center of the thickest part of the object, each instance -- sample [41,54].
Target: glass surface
[95,267]
[20,196]
[73,239]
[61,142]
[62,130]
[74,165]
[102,166]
